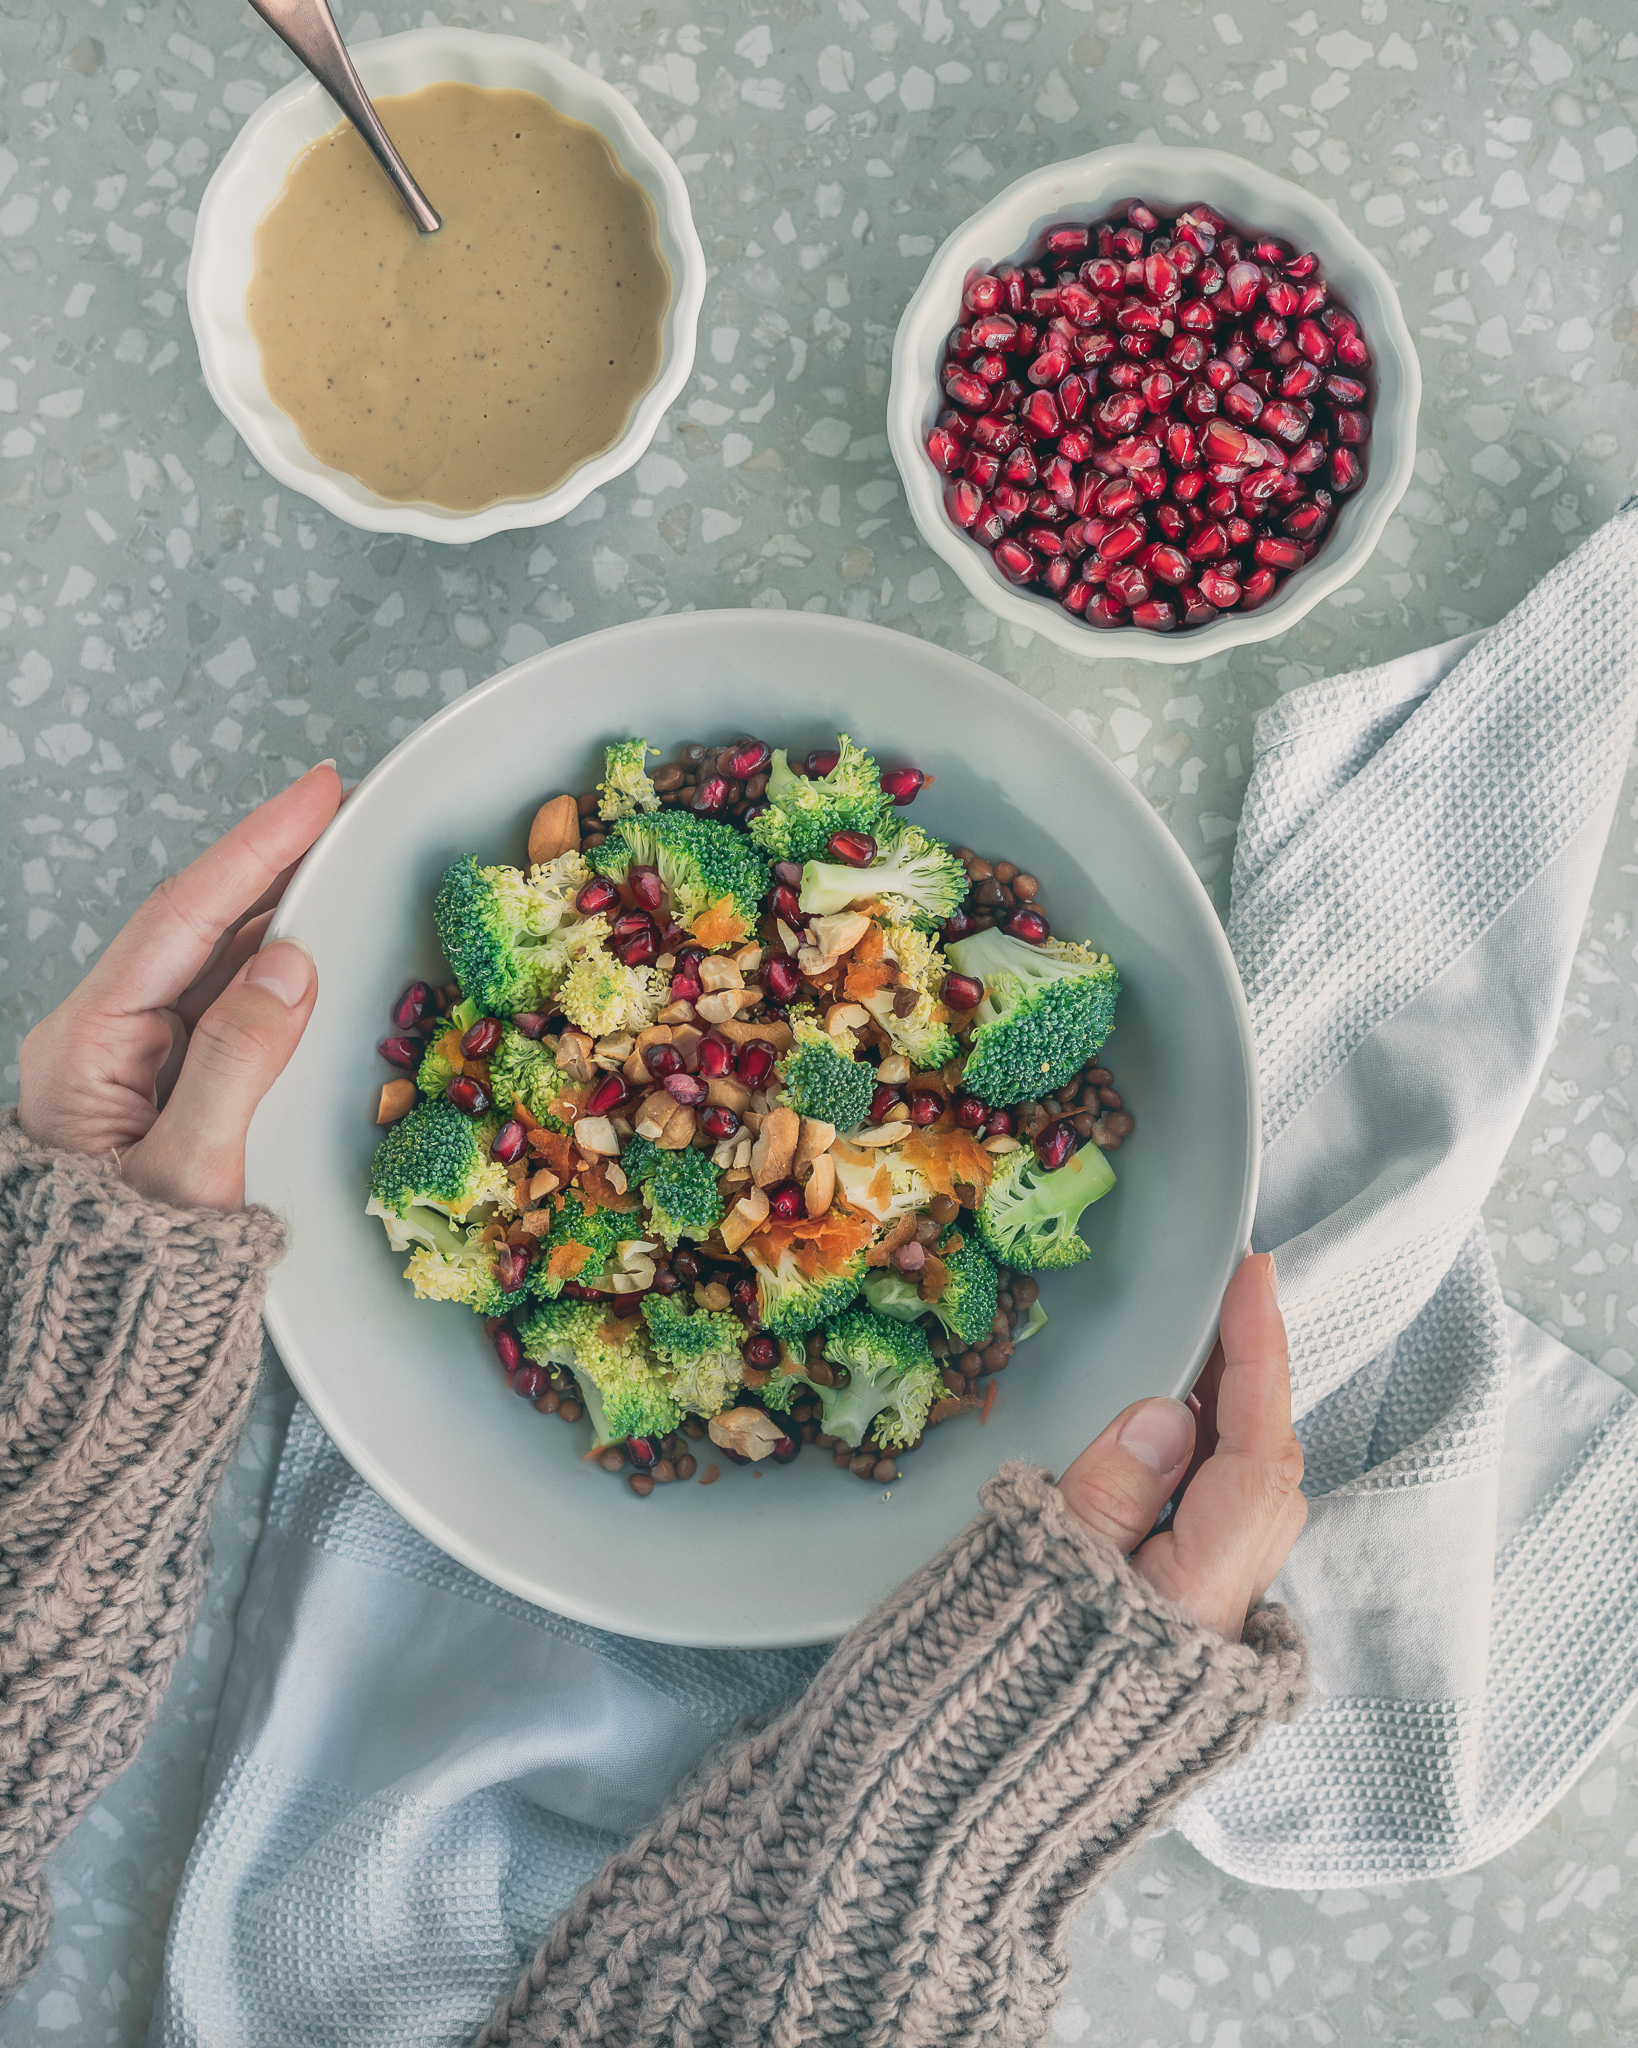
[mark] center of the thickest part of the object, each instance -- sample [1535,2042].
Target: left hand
[162,1053]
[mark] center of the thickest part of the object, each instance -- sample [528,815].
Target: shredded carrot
[866,976]
[597,1191]
[989,1403]
[520,1114]
[568,1260]
[555,1150]
[721,925]
[817,1244]
[945,1157]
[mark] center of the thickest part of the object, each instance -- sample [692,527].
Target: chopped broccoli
[700,1353]
[916,876]
[500,935]
[461,1271]
[703,864]
[554,884]
[789,1303]
[820,1080]
[599,993]
[857,1180]
[924,1036]
[626,1393]
[598,1231]
[435,1158]
[440,1062]
[681,1188]
[966,1308]
[1037,1320]
[1046,1011]
[892,1380]
[625,787]
[523,1070]
[1028,1216]
[805,812]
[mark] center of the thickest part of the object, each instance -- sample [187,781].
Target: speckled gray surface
[177,638]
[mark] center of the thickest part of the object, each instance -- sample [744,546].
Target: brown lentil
[942,1209]
[1026,1289]
[548,1402]
[1100,1077]
[863,1465]
[884,1471]
[664,1472]
[1084,1123]
[686,1466]
[979,870]
[668,777]
[570,1411]
[953,1381]
[1121,1124]
[971,1364]
[586,803]
[693,1428]
[1109,1097]
[1005,870]
[641,1484]
[613,1460]
[1025,888]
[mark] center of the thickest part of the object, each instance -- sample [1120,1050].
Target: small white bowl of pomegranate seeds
[1153,403]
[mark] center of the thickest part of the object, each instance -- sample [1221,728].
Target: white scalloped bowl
[250,178]
[1087,188]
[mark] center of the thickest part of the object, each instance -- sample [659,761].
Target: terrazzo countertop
[178,638]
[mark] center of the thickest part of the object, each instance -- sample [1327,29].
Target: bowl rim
[1158,845]
[927,316]
[221,218]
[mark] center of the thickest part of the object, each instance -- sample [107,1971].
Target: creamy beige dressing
[481,363]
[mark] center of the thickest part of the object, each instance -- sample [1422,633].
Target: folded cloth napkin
[413,1772]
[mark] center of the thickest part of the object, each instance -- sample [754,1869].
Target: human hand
[162,1053]
[1229,1455]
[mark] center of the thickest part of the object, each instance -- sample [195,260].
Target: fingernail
[1159,1432]
[329,761]
[285,968]
[1271,1277]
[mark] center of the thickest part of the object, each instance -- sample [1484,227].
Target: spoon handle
[309,29]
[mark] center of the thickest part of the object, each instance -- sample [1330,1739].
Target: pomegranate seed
[1276,554]
[1346,473]
[966,389]
[608,1095]
[780,981]
[1000,1123]
[785,1201]
[884,1099]
[1353,428]
[645,885]
[1196,611]
[1028,924]
[852,849]
[711,795]
[1076,598]
[1308,455]
[412,1005]
[512,1262]
[1160,279]
[641,950]
[1241,286]
[971,1112]
[530,1023]
[1067,241]
[1300,380]
[478,1042]
[715,1056]
[1242,403]
[470,1097]
[688,1089]
[1157,616]
[1121,541]
[1344,390]
[1073,394]
[598,895]
[1104,611]
[982,295]
[1258,586]
[944,451]
[963,501]
[401,1052]
[822,760]
[662,1060]
[642,1453]
[787,1450]
[1313,343]
[507,1348]
[1224,442]
[1305,522]
[1286,421]
[755,1063]
[1128,583]
[1049,367]
[1171,565]
[719,1122]
[1187,487]
[685,988]
[530,1381]
[1041,413]
[1219,589]
[1238,531]
[926,1107]
[1014,561]
[1055,1143]
[962,992]
[508,1142]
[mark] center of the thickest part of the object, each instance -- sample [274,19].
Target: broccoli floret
[462,1271]
[500,934]
[859,1182]
[523,1070]
[441,1061]
[917,877]
[599,993]
[700,1352]
[892,1380]
[435,1158]
[789,1302]
[1046,1011]
[626,1393]
[804,812]
[1028,1216]
[597,1231]
[1037,1320]
[681,1188]
[924,1036]
[714,876]
[625,787]
[967,1306]
[820,1080]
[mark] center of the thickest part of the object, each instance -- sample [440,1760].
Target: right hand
[1229,1455]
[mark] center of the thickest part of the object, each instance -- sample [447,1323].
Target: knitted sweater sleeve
[129,1351]
[891,1861]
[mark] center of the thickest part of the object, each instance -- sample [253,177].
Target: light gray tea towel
[413,1772]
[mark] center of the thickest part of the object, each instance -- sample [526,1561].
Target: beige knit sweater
[888,1863]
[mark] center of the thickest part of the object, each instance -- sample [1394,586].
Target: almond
[723,1092]
[716,972]
[574,1055]
[747,1431]
[775,1147]
[678,1134]
[820,1191]
[556,830]
[677,1013]
[398,1099]
[723,1003]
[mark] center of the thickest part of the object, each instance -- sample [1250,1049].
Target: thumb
[195,1153]
[1120,1483]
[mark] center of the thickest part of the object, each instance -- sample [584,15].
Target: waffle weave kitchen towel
[414,1772]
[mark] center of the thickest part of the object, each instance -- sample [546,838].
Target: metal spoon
[308,29]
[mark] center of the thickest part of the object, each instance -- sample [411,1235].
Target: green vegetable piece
[892,1380]
[1028,1216]
[1046,1011]
[680,1189]
[821,1081]
[625,1392]
[699,1352]
[915,875]
[967,1306]
[805,812]
[499,931]
[626,787]
[700,861]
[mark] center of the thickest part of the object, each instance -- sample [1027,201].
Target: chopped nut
[679,1131]
[397,1100]
[894,1070]
[676,1013]
[742,1153]
[653,1114]
[775,1147]
[748,1431]
[882,1134]
[753,1204]
[595,1135]
[712,1295]
[610,1052]
[635,1070]
[556,829]
[716,972]
[840,932]
[723,1003]
[933,1278]
[999,1145]
[816,1137]
[897,1112]
[845,1017]
[813,963]
[574,1054]
[820,1191]
[723,1092]
[773,1030]
[745,1217]
[748,959]
[518,1172]
[685,1037]
[616,1179]
[538,1222]
[787,938]
[542,1184]
[653,1034]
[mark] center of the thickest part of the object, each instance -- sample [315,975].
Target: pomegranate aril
[1313,343]
[412,1005]
[944,451]
[1028,924]
[481,1039]
[711,795]
[1286,421]
[1241,286]
[598,895]
[1010,501]
[662,1060]
[780,981]
[508,1142]
[962,992]
[1187,487]
[1222,441]
[512,1263]
[1344,390]
[963,501]
[852,849]
[966,389]
[1158,388]
[1129,584]
[470,1097]
[1048,367]
[1076,598]
[1170,564]
[1196,610]
[1057,576]
[1073,394]
[785,1201]
[1074,446]
[1103,610]
[1238,530]
[1119,413]
[755,1064]
[608,1095]
[687,1089]
[1259,586]
[926,1107]
[1305,522]
[1055,1143]
[997,434]
[719,1122]
[1242,403]
[1299,381]
[1273,553]
[507,1348]
[401,1052]
[982,295]
[1159,615]
[1207,542]
[1353,428]
[715,1056]
[1014,561]
[1000,1123]
[530,1023]
[1347,473]
[1308,455]
[1195,316]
